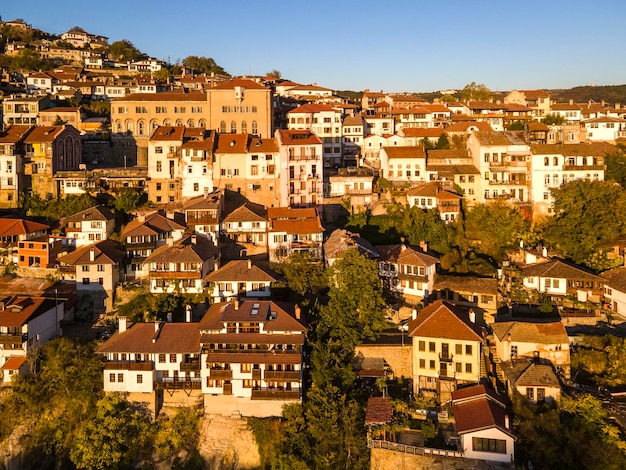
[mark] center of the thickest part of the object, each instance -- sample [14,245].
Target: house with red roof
[14,231]
[26,323]
[432,196]
[447,348]
[483,425]
[89,226]
[203,214]
[246,226]
[241,279]
[293,230]
[12,153]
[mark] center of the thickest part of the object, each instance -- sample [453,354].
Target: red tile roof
[13,227]
[20,309]
[298,137]
[444,320]
[168,133]
[284,320]
[14,134]
[231,84]
[105,252]
[169,96]
[242,270]
[479,414]
[14,363]
[379,411]
[142,338]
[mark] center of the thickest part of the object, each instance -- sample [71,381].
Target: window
[495,446]
[431,346]
[246,368]
[530,393]
[422,345]
[254,170]
[120,378]
[85,268]
[172,357]
[541,394]
[139,378]
[513,351]
[111,377]
[422,363]
[468,349]
[432,364]
[486,299]
[101,267]
[233,127]
[85,281]
[161,358]
[459,367]
[555,283]
[159,166]
[468,367]
[458,349]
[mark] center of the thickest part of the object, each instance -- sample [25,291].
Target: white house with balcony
[293,230]
[89,226]
[604,129]
[241,279]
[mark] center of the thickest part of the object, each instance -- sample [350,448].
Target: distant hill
[580,94]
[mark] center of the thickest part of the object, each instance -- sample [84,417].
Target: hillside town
[180,219]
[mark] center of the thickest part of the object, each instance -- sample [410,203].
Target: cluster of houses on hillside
[241,173]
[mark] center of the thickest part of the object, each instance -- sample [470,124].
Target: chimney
[92,254]
[249,263]
[188,313]
[194,239]
[472,315]
[236,303]
[544,252]
[507,423]
[121,324]
[157,323]
[571,101]
[424,246]
[298,311]
[169,317]
[413,314]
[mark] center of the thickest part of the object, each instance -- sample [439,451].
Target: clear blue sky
[403,45]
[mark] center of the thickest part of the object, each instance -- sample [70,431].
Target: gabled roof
[142,338]
[298,137]
[232,143]
[444,320]
[13,227]
[241,82]
[463,126]
[278,213]
[191,249]
[536,126]
[572,150]
[491,138]
[248,212]
[404,152]
[403,254]
[211,201]
[168,133]
[105,252]
[153,224]
[341,240]
[14,134]
[434,132]
[91,214]
[14,363]
[284,319]
[242,270]
[44,134]
[312,108]
[564,107]
[18,310]
[531,332]
[263,145]
[526,372]
[479,413]
[479,285]
[432,189]
[556,268]
[616,278]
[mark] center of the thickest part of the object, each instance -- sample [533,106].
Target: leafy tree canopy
[553,119]
[274,74]
[616,167]
[475,92]
[586,214]
[124,51]
[203,65]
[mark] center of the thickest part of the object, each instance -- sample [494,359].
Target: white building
[90,226]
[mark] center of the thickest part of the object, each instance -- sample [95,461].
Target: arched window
[118,126]
[244,127]
[153,124]
[222,127]
[547,179]
[555,180]
[546,161]
[167,122]
[191,123]
[255,128]
[233,127]
[555,161]
[179,122]
[141,127]
[202,123]
[129,126]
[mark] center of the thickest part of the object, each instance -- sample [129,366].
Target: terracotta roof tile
[298,137]
[404,152]
[171,338]
[284,321]
[184,251]
[444,320]
[249,212]
[556,268]
[379,411]
[235,82]
[13,227]
[581,149]
[105,252]
[91,214]
[530,332]
[242,270]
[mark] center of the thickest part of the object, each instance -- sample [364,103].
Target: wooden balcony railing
[221,373]
[282,375]
[173,383]
[129,365]
[275,394]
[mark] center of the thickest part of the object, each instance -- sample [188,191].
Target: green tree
[115,437]
[427,144]
[553,119]
[128,200]
[305,274]
[124,51]
[515,126]
[58,121]
[475,92]
[203,65]
[274,74]
[178,433]
[586,214]
[616,167]
[443,142]
[162,76]
[27,59]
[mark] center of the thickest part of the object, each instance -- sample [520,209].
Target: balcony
[129,365]
[445,374]
[175,274]
[189,366]
[6,339]
[275,394]
[256,374]
[221,374]
[282,375]
[446,358]
[174,383]
[509,182]
[567,166]
[296,158]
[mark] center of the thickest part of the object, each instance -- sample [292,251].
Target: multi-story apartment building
[24,109]
[503,159]
[447,348]
[604,129]
[249,165]
[203,214]
[12,152]
[196,154]
[49,150]
[293,230]
[164,164]
[554,165]
[571,111]
[301,168]
[89,226]
[404,164]
[240,279]
[251,356]
[537,100]
[326,123]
